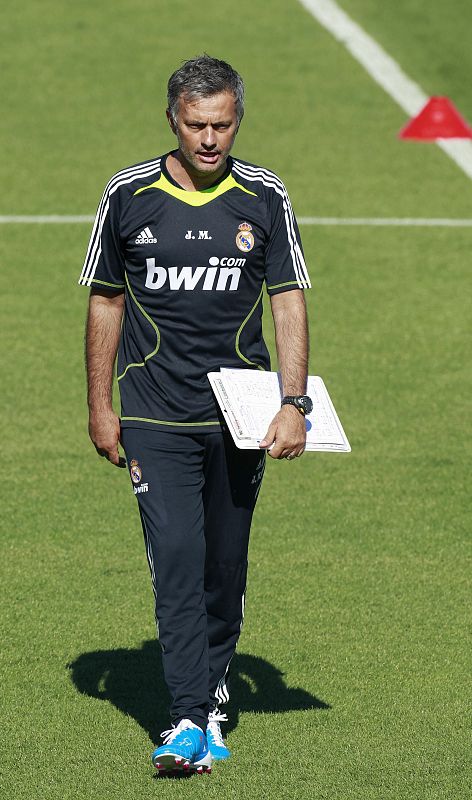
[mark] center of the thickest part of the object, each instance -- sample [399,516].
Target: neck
[187,177]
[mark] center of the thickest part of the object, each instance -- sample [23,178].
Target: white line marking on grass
[51,218]
[384,70]
[401,222]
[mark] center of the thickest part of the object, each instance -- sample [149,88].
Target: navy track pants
[196,495]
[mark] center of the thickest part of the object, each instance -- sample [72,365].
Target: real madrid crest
[244,237]
[135,471]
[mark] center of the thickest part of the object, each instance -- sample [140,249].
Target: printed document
[250,399]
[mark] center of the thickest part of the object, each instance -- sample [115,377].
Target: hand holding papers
[250,399]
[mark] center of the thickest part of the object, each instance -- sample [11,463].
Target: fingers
[287,444]
[279,451]
[269,438]
[295,454]
[104,431]
[286,436]
[112,455]
[286,449]
[290,452]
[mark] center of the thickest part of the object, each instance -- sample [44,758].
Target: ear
[171,122]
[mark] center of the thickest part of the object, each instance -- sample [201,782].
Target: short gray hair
[204,76]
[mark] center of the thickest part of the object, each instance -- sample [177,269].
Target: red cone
[439,119]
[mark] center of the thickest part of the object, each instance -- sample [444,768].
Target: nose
[208,138]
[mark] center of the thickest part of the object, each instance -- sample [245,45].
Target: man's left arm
[286,435]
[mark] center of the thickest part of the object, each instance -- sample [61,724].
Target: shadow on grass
[132,680]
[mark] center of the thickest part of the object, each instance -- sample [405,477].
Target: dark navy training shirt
[192,266]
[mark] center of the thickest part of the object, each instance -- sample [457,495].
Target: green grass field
[352,678]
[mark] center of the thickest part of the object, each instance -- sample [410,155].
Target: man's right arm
[102,335]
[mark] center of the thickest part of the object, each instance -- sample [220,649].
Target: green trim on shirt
[166,422]
[199,198]
[158,335]
[287,283]
[105,283]
[238,336]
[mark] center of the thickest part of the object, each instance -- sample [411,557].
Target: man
[178,256]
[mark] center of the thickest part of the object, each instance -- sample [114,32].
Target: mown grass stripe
[406,222]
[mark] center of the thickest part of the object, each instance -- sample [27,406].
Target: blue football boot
[185,748]
[217,747]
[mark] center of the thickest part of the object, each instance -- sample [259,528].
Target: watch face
[303,403]
[307,403]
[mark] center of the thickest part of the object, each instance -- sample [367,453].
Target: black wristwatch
[303,403]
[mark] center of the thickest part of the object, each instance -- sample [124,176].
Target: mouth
[208,158]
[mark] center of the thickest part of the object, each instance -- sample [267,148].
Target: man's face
[205,130]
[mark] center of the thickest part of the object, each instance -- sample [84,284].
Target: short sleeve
[285,266]
[104,262]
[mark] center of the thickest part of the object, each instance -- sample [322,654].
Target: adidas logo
[145,237]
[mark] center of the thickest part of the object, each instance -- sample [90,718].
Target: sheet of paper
[250,399]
